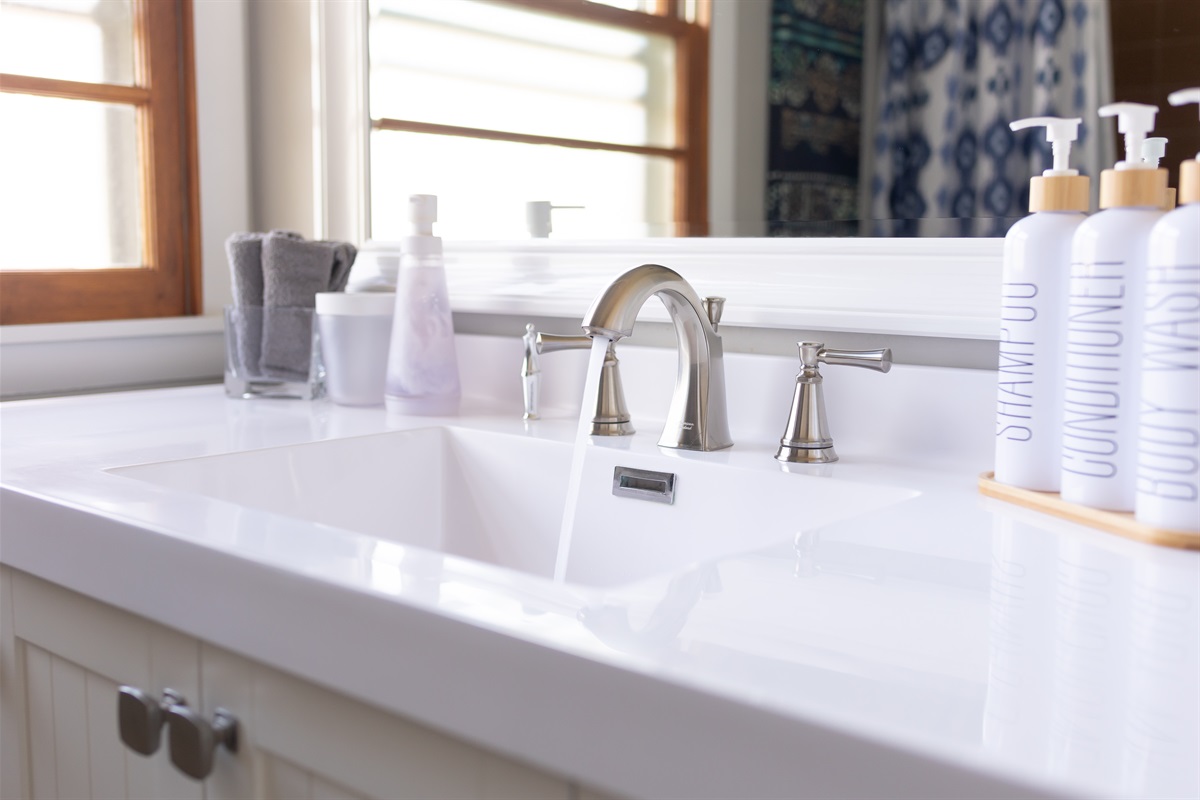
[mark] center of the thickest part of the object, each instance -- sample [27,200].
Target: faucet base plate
[622,428]
[806,455]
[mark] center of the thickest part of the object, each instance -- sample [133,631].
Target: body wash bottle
[422,370]
[1104,319]
[1037,266]
[1168,475]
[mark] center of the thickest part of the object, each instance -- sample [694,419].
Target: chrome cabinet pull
[194,740]
[140,717]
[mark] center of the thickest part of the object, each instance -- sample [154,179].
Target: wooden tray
[1120,523]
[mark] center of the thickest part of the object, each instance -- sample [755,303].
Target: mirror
[890,118]
[873,118]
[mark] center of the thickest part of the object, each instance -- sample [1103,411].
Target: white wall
[221,108]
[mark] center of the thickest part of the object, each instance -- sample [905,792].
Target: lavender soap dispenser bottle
[422,369]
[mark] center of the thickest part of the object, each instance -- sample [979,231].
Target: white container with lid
[355,332]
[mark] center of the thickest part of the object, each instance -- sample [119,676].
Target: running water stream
[591,388]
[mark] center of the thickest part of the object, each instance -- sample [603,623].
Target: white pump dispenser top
[1153,149]
[1189,170]
[1060,132]
[1135,120]
[422,213]
[1182,98]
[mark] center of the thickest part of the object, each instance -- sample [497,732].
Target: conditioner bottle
[1168,473]
[1037,264]
[1104,324]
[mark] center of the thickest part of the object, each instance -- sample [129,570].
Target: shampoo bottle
[1037,264]
[1168,475]
[1104,318]
[422,370]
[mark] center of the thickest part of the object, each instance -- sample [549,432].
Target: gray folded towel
[294,271]
[284,273]
[244,251]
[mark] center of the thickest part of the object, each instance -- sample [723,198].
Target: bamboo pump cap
[1060,188]
[1189,171]
[1059,193]
[1133,187]
[1133,182]
[1189,181]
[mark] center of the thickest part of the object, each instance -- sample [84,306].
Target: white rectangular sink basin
[500,498]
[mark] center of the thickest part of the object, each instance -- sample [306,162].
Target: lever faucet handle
[806,439]
[611,416]
[553,342]
[878,360]
[530,380]
[536,344]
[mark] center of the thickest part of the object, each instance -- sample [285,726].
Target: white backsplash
[937,414]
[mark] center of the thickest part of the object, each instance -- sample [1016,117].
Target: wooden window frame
[168,283]
[690,152]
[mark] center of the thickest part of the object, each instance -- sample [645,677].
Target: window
[98,205]
[491,105]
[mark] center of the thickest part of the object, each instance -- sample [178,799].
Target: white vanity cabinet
[64,656]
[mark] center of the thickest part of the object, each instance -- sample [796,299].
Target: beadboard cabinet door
[64,657]
[305,742]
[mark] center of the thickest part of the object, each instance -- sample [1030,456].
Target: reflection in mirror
[821,118]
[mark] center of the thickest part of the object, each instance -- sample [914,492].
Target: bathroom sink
[500,498]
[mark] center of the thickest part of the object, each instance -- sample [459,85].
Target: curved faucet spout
[613,313]
[697,419]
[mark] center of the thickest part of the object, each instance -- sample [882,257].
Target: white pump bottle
[1104,319]
[1037,265]
[1168,475]
[422,369]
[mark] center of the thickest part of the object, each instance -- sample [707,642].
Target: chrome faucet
[697,418]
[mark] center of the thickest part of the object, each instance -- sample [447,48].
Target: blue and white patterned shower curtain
[953,74]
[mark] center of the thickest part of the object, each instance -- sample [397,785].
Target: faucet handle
[611,416]
[812,353]
[806,439]
[553,342]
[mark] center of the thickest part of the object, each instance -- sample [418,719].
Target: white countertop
[946,646]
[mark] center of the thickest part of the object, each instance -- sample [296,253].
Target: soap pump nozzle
[1135,120]
[1182,98]
[1189,170]
[1153,149]
[422,213]
[537,217]
[1059,188]
[1060,132]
